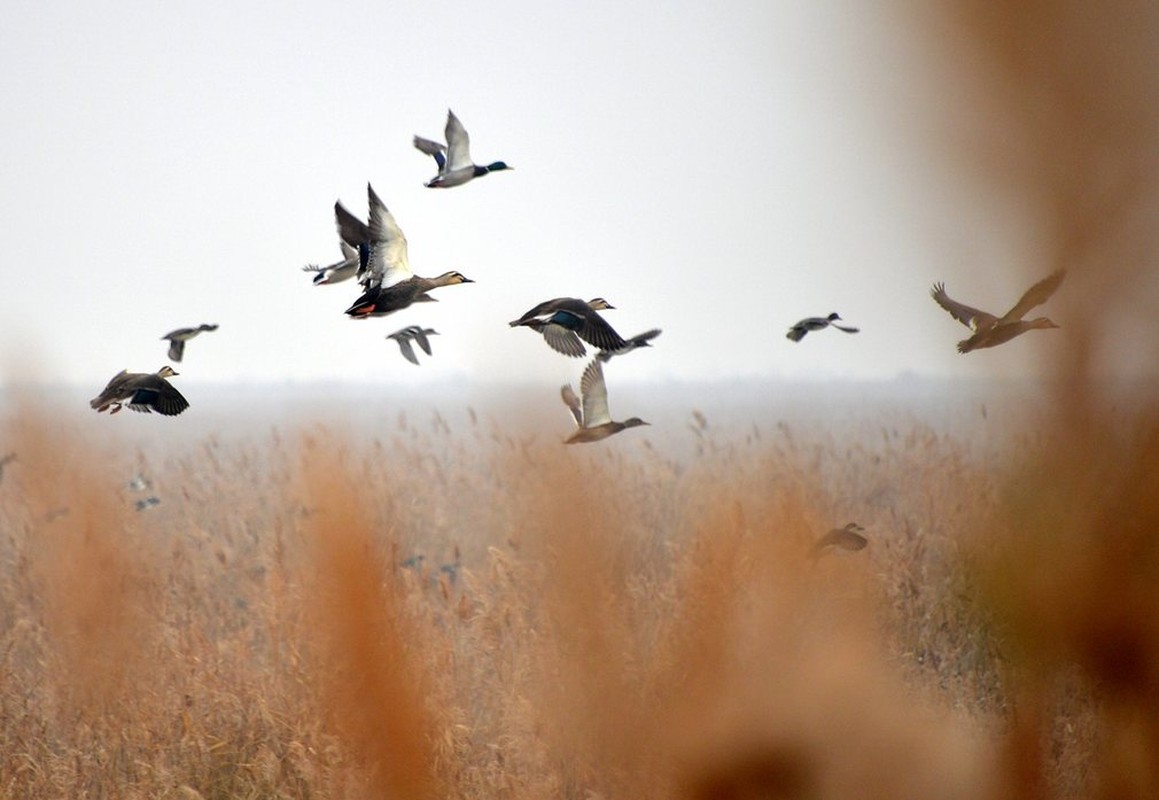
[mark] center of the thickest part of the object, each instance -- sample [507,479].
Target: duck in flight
[564,321]
[592,417]
[851,537]
[798,331]
[141,391]
[454,158]
[338,271]
[417,333]
[989,330]
[389,284]
[179,337]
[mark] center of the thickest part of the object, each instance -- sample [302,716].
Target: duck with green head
[454,158]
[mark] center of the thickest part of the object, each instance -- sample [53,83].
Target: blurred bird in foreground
[990,330]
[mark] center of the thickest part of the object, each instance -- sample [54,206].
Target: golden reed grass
[608,623]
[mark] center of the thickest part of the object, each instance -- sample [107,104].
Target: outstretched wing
[595,395]
[162,398]
[351,229]
[432,149]
[420,335]
[590,327]
[388,262]
[561,340]
[404,346]
[572,402]
[458,143]
[1036,295]
[968,316]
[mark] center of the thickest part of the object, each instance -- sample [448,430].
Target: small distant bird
[142,391]
[179,337]
[5,460]
[147,502]
[414,562]
[564,321]
[384,270]
[140,483]
[847,538]
[798,331]
[990,330]
[416,333]
[338,271]
[592,416]
[454,158]
[451,570]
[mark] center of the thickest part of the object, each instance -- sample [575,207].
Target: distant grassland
[583,622]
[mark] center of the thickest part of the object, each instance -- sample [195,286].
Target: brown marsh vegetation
[615,623]
[581,624]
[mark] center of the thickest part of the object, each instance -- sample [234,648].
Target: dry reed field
[446,610]
[450,607]
[579,623]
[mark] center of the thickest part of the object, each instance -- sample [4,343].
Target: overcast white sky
[718,171]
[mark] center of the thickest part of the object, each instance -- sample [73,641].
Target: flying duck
[454,158]
[593,420]
[798,331]
[848,538]
[384,271]
[179,337]
[141,391]
[565,320]
[416,333]
[338,271]
[990,330]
